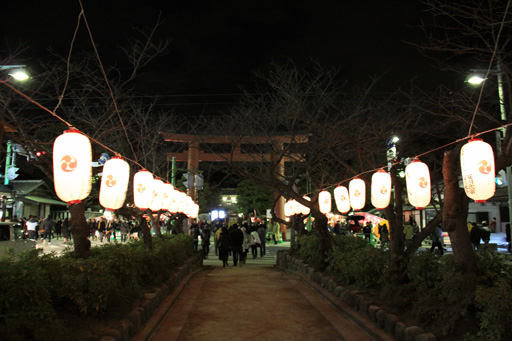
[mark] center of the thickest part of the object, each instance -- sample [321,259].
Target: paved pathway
[253,302]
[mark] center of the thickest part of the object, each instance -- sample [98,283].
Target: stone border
[135,320]
[364,306]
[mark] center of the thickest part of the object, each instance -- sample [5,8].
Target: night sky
[217,45]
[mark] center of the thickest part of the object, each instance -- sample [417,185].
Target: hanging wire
[489,67]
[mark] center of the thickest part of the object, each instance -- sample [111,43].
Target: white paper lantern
[342,199]
[381,189]
[114,183]
[417,179]
[157,196]
[478,171]
[324,202]
[357,192]
[194,211]
[305,210]
[289,210]
[72,166]
[143,189]
[167,190]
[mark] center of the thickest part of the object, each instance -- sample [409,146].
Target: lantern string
[116,109]
[490,66]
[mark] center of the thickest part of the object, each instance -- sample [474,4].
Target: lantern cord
[116,109]
[489,67]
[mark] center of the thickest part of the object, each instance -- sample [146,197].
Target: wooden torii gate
[194,155]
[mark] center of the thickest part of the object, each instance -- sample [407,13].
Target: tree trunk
[80,230]
[322,231]
[146,232]
[455,214]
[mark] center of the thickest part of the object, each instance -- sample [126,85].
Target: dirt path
[254,302]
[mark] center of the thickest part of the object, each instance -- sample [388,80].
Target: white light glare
[476,79]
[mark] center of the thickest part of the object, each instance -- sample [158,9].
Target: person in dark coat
[262,233]
[58,229]
[205,240]
[48,228]
[475,236]
[65,230]
[507,236]
[224,244]
[237,239]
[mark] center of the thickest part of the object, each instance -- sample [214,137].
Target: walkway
[253,302]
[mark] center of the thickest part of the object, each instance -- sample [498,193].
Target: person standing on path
[205,240]
[255,243]
[262,233]
[65,230]
[47,227]
[237,239]
[224,244]
[437,240]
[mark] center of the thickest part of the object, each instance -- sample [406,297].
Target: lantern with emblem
[114,183]
[167,192]
[478,172]
[417,179]
[324,202]
[156,203]
[143,189]
[357,192]
[341,197]
[381,189]
[72,166]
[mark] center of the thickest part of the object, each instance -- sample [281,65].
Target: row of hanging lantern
[478,175]
[72,169]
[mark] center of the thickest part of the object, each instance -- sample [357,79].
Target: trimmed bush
[36,291]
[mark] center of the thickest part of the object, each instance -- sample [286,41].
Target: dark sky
[217,45]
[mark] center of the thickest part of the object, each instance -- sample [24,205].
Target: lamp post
[477,79]
[16,71]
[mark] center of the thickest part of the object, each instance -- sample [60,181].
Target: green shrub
[309,251]
[352,261]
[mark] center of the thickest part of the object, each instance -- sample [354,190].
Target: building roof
[24,187]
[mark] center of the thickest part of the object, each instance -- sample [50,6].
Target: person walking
[31,227]
[437,240]
[216,239]
[475,236]
[65,230]
[245,245]
[102,228]
[255,243]
[47,227]
[262,233]
[205,240]
[409,234]
[58,229]
[194,232]
[384,235]
[124,228]
[237,240]
[224,245]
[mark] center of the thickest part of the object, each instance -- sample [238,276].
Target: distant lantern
[72,166]
[324,202]
[478,172]
[417,179]
[342,199]
[156,203]
[305,210]
[289,208]
[357,192]
[167,192]
[143,189]
[381,189]
[114,183]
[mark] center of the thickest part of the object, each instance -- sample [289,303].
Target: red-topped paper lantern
[381,189]
[417,179]
[324,202]
[342,199]
[289,208]
[72,166]
[114,183]
[143,189]
[478,171]
[357,192]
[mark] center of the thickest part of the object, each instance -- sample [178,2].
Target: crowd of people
[236,241]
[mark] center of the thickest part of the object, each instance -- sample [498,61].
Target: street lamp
[476,78]
[17,72]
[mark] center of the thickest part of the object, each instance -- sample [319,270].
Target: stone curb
[134,321]
[364,306]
